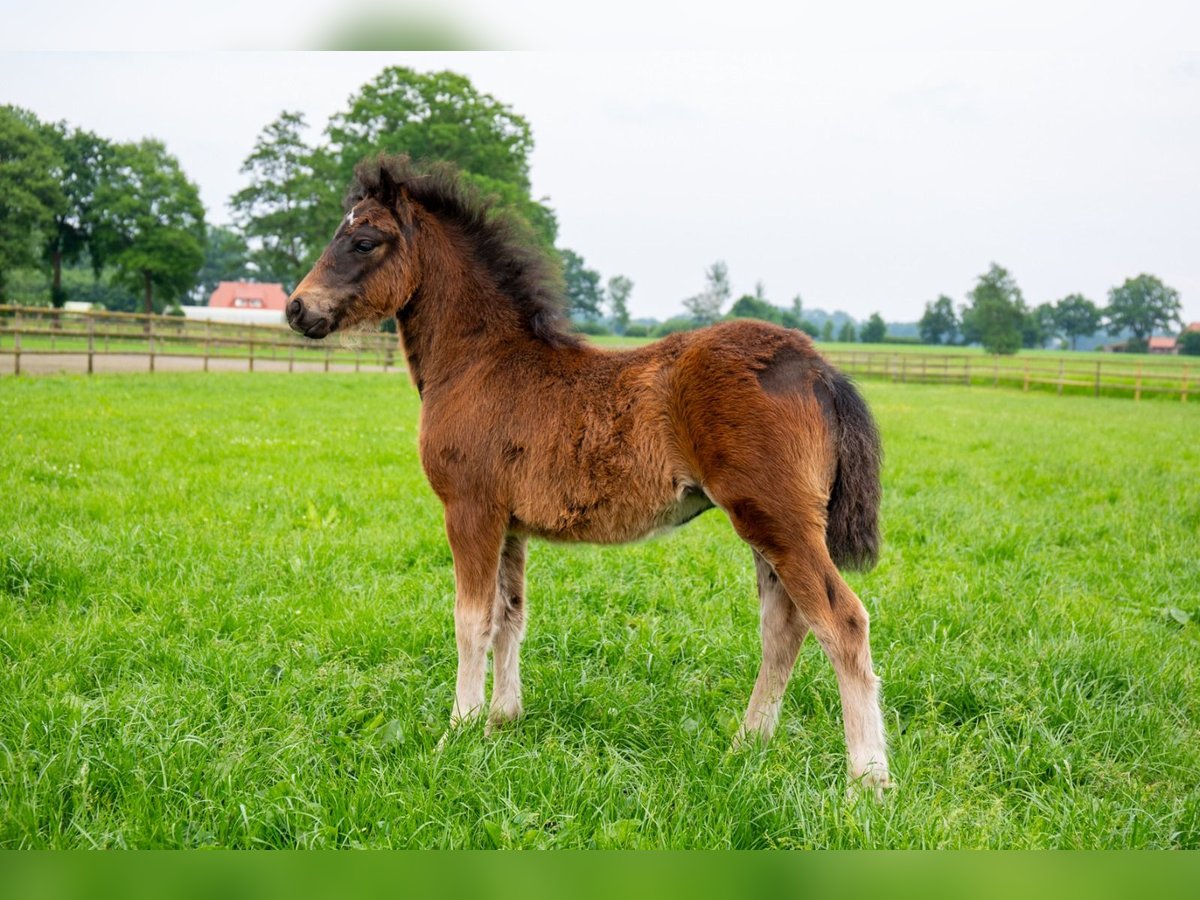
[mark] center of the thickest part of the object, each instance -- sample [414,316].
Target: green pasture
[225,620]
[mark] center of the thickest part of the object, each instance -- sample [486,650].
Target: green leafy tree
[705,307]
[1189,343]
[847,334]
[150,222]
[1037,324]
[749,306]
[997,312]
[619,289]
[80,158]
[30,193]
[939,324]
[442,116]
[278,210]
[1142,305]
[1076,316]
[226,258]
[584,294]
[875,330]
[827,330]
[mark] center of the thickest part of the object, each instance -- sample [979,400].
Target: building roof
[249,295]
[1194,326]
[1161,343]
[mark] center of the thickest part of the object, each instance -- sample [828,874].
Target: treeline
[129,214]
[997,317]
[68,196]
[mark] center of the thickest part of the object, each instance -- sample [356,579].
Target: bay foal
[528,431]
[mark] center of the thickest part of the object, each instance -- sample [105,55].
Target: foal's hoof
[498,717]
[875,781]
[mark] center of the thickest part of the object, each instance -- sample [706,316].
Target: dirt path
[76,363]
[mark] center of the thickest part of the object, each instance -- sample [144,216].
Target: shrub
[639,331]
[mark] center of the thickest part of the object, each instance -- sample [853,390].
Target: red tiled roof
[1194,326]
[249,295]
[1161,343]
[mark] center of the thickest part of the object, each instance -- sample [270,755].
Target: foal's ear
[394,196]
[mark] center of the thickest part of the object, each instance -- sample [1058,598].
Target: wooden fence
[1108,375]
[44,339]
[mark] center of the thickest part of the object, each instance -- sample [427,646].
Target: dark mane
[503,242]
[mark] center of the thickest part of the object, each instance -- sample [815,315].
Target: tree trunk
[56,291]
[148,303]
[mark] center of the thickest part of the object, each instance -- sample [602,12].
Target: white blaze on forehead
[350,216]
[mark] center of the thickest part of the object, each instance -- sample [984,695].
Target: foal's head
[368,271]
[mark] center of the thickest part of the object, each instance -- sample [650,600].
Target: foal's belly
[622,519]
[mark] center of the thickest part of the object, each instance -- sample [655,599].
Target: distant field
[225,619]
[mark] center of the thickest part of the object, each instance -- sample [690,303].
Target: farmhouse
[1161,345]
[243,301]
[248,295]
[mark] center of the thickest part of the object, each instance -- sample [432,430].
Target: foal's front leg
[475,540]
[508,614]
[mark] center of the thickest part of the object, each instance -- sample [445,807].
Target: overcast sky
[862,179]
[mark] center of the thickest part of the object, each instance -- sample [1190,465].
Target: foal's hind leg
[508,616]
[839,621]
[783,632]
[794,544]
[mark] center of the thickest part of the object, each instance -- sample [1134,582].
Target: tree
[939,324]
[1189,343]
[1142,305]
[584,294]
[705,307]
[226,258]
[619,289]
[875,330]
[798,307]
[30,194]
[79,159]
[847,334]
[1076,316]
[150,222]
[997,312]
[1036,324]
[437,116]
[827,330]
[748,306]
[278,209]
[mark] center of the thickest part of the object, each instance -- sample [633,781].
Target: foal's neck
[456,317]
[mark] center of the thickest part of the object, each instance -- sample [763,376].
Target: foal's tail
[852,531]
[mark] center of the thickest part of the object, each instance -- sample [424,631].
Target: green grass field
[225,619]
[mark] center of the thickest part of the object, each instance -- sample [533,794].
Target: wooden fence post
[1097,378]
[967,371]
[17,343]
[251,342]
[150,331]
[355,359]
[327,351]
[996,372]
[291,356]
[91,341]
[1061,365]
[1026,387]
[1137,389]
[1183,393]
[207,341]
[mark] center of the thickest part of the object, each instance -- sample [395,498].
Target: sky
[865,175]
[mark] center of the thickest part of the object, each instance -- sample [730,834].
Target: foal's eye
[364,246]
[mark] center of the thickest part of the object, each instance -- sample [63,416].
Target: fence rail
[1098,377]
[45,339]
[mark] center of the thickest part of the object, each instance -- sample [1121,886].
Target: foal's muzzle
[307,321]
